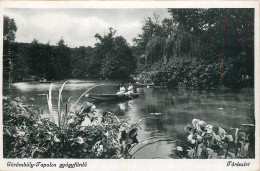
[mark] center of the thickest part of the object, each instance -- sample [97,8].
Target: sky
[78,26]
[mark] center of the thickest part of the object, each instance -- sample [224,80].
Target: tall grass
[62,114]
[50,103]
[86,93]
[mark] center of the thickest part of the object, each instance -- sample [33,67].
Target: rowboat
[45,81]
[113,96]
[140,85]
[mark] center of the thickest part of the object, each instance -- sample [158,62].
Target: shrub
[27,135]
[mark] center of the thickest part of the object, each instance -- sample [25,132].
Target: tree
[8,37]
[81,59]
[195,37]
[9,29]
[61,60]
[115,56]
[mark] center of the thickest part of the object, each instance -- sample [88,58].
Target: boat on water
[44,81]
[143,81]
[113,96]
[139,85]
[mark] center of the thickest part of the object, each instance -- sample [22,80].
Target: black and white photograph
[129,83]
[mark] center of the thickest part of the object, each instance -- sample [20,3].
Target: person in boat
[42,80]
[121,90]
[130,89]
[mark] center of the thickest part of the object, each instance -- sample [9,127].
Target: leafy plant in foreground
[206,142]
[27,135]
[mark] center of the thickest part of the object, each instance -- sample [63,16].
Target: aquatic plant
[205,142]
[27,135]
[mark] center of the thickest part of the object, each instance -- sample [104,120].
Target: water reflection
[169,110]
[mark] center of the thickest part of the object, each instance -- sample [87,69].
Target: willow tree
[188,46]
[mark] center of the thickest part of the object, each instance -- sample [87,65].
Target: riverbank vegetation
[185,49]
[78,132]
[110,58]
[207,141]
[188,48]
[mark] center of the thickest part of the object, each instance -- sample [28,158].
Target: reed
[86,93]
[49,96]
[60,114]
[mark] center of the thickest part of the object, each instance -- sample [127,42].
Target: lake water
[168,110]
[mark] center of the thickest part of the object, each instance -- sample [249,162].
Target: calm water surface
[170,109]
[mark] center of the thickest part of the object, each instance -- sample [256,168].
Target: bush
[189,74]
[206,141]
[27,135]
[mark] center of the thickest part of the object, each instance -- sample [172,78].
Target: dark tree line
[37,60]
[185,48]
[111,57]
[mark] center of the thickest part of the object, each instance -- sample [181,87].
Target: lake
[168,110]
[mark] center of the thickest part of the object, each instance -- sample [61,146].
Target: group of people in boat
[122,90]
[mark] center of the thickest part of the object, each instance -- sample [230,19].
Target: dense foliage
[9,29]
[184,49]
[188,47]
[28,135]
[116,56]
[206,141]
[24,61]
[111,57]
